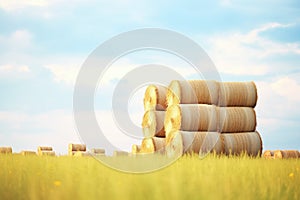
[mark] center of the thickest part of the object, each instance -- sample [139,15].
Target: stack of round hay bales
[281,154]
[153,121]
[212,116]
[5,150]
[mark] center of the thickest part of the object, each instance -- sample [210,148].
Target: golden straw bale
[247,142]
[44,148]
[191,117]
[286,154]
[77,147]
[153,123]
[97,151]
[5,150]
[193,92]
[268,154]
[236,119]
[81,154]
[152,145]
[155,98]
[26,153]
[120,153]
[238,94]
[135,149]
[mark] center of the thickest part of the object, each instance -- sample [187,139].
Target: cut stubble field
[33,177]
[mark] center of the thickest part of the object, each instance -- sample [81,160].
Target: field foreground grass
[32,177]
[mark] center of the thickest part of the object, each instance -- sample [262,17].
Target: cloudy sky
[43,44]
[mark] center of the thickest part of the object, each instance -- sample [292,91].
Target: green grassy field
[32,177]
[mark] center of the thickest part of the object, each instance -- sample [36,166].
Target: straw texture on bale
[135,149]
[152,145]
[44,148]
[26,153]
[98,151]
[286,154]
[192,117]
[193,142]
[268,154]
[81,154]
[153,123]
[237,143]
[237,94]
[5,150]
[46,153]
[236,119]
[77,147]
[193,92]
[155,98]
[120,153]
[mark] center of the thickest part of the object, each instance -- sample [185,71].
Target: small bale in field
[155,98]
[242,94]
[5,150]
[77,147]
[192,117]
[135,149]
[268,154]
[120,153]
[236,119]
[239,143]
[97,151]
[44,148]
[27,153]
[286,154]
[153,123]
[193,92]
[153,145]
[81,154]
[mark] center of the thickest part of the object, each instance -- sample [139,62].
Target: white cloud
[12,5]
[18,40]
[287,88]
[247,54]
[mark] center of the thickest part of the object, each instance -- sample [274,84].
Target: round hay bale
[238,143]
[236,119]
[153,145]
[155,98]
[174,145]
[193,92]
[77,147]
[135,149]
[192,117]
[286,154]
[268,154]
[153,123]
[5,150]
[242,94]
[97,151]
[44,148]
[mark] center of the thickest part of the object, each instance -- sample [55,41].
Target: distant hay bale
[120,153]
[27,153]
[268,154]
[181,142]
[5,150]
[77,147]
[193,92]
[242,94]
[238,143]
[236,119]
[192,117]
[97,151]
[152,145]
[46,153]
[153,123]
[135,149]
[155,98]
[285,154]
[44,148]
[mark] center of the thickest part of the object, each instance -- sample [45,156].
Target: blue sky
[43,43]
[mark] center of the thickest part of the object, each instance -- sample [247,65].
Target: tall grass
[32,177]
